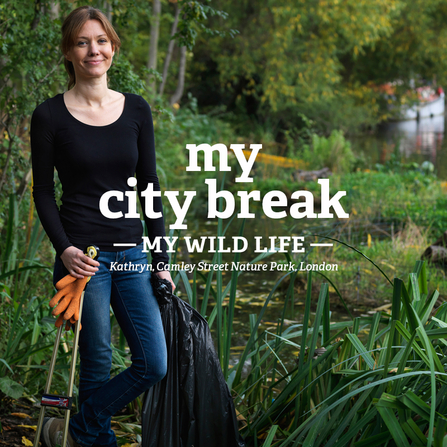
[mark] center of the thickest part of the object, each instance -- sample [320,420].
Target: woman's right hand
[77,263]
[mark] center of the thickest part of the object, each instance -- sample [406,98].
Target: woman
[98,139]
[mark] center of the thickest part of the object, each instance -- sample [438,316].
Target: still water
[415,141]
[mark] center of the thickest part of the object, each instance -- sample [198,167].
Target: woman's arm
[42,154]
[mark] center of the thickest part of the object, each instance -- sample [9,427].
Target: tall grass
[24,337]
[370,381]
[368,391]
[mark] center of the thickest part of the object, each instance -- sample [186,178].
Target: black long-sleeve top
[91,160]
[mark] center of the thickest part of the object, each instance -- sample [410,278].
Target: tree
[153,43]
[320,59]
[30,62]
[170,50]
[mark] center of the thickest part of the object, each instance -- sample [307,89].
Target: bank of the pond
[394,215]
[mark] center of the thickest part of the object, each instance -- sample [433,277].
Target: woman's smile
[92,52]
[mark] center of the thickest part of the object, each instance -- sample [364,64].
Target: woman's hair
[72,26]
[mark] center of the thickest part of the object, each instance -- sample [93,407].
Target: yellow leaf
[26,441]
[20,415]
[388,265]
[237,348]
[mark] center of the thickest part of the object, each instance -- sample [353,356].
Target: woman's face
[92,53]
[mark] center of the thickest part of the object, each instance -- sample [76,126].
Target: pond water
[416,141]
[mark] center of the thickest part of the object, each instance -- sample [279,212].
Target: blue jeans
[137,312]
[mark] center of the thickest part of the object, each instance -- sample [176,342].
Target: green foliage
[23,335]
[11,388]
[307,53]
[395,165]
[336,394]
[194,16]
[333,152]
[339,395]
[30,72]
[188,126]
[123,78]
[409,194]
[323,60]
[352,380]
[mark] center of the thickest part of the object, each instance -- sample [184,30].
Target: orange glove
[68,299]
[61,296]
[60,321]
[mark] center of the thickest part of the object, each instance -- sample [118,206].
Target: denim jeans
[130,294]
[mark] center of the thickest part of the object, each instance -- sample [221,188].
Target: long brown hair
[72,26]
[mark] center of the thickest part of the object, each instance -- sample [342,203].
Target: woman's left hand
[166,275]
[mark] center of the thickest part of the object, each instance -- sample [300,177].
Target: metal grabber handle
[63,402]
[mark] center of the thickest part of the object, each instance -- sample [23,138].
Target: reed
[25,338]
[370,381]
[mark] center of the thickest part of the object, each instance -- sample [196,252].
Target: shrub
[333,152]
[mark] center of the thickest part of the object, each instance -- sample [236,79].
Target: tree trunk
[181,78]
[153,44]
[6,165]
[24,185]
[108,10]
[37,13]
[54,10]
[170,50]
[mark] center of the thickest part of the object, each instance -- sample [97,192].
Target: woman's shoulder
[136,100]
[48,107]
[138,105]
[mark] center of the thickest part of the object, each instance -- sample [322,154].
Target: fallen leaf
[20,415]
[26,442]
[384,307]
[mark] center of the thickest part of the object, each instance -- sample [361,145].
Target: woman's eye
[81,43]
[103,41]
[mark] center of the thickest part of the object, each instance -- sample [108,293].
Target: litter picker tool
[70,310]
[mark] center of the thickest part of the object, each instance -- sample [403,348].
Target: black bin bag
[191,406]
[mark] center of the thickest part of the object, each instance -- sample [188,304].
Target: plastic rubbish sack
[191,406]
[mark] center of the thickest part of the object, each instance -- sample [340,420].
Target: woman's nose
[93,48]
